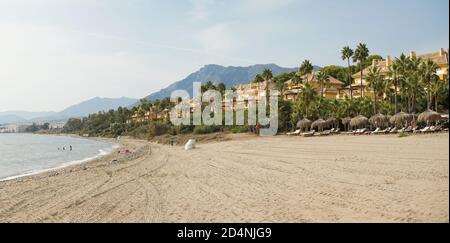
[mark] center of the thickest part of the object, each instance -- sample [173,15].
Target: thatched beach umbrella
[304,124]
[378,120]
[332,122]
[319,124]
[400,118]
[359,121]
[346,121]
[429,116]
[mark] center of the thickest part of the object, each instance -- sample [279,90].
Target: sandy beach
[246,179]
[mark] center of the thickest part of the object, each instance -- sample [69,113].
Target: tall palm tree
[307,94]
[306,68]
[297,80]
[258,79]
[323,78]
[403,64]
[347,53]
[267,75]
[361,54]
[439,89]
[428,76]
[376,82]
[394,74]
[413,79]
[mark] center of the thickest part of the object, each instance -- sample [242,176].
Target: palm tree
[323,78]
[439,89]
[376,82]
[306,68]
[403,64]
[394,73]
[297,80]
[307,94]
[428,76]
[258,79]
[347,53]
[360,55]
[413,79]
[267,75]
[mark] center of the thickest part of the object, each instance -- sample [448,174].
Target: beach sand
[246,179]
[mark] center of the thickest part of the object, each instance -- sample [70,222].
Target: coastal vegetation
[410,85]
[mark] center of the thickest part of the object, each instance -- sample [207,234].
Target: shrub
[206,129]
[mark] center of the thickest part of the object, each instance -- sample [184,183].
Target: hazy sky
[55,53]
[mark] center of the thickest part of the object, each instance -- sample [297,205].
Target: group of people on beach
[64,148]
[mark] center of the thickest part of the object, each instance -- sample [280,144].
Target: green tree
[393,80]
[428,77]
[323,79]
[267,75]
[347,53]
[376,83]
[258,79]
[307,95]
[360,56]
[306,68]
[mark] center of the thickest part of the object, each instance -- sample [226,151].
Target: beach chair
[337,131]
[325,133]
[435,129]
[393,131]
[425,129]
[309,134]
[409,129]
[297,132]
[361,131]
[376,131]
[387,130]
[401,130]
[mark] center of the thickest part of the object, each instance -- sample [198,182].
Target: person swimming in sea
[64,148]
[70,147]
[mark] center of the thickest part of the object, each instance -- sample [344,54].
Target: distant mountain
[83,109]
[95,105]
[4,119]
[230,76]
[21,116]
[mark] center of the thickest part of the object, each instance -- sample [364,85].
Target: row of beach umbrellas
[378,120]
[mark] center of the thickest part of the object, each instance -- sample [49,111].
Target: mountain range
[230,76]
[79,110]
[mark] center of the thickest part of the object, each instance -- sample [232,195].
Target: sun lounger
[394,130]
[424,130]
[376,131]
[297,132]
[387,130]
[308,134]
[360,131]
[436,129]
[337,131]
[409,129]
[325,133]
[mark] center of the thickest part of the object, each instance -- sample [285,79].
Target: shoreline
[61,167]
[245,179]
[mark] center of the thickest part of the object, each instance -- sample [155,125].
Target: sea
[28,154]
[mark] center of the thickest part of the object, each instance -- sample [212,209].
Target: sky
[56,53]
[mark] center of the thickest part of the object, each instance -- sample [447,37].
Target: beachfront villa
[149,115]
[441,58]
[331,89]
